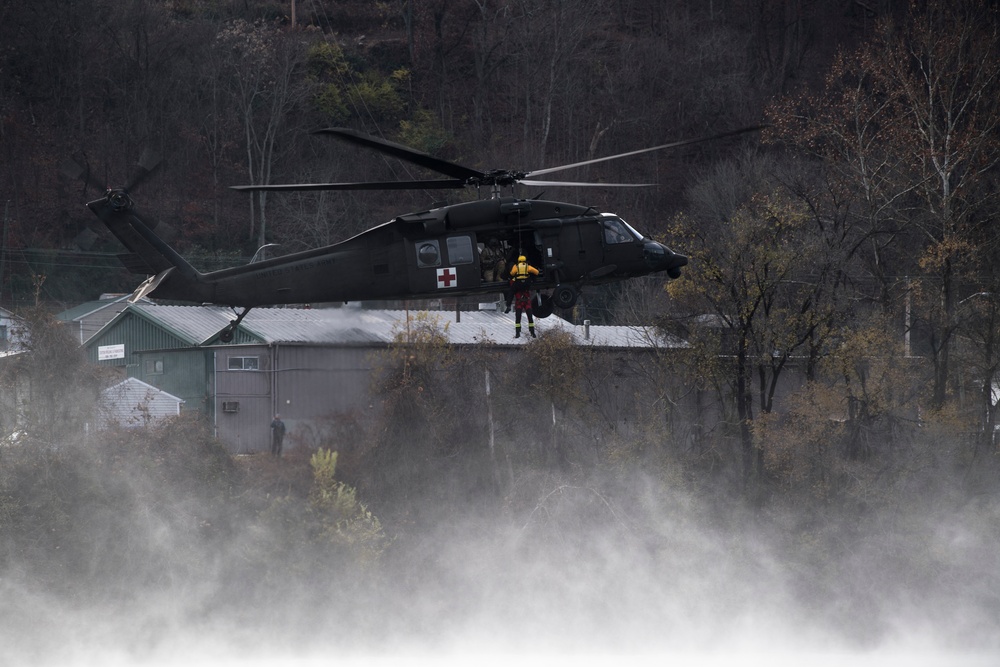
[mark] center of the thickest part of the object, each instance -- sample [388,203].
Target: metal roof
[358,326]
[134,387]
[90,307]
[194,324]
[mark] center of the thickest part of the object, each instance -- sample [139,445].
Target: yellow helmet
[522,258]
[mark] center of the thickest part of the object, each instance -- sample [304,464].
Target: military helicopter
[420,255]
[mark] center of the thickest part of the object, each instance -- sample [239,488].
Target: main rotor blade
[388,185]
[404,153]
[75,171]
[686,142]
[148,162]
[587,184]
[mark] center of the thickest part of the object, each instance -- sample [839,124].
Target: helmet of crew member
[522,258]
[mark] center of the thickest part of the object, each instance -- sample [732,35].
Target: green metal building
[306,364]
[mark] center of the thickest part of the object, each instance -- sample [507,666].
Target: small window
[154,366]
[243,364]
[230,406]
[428,254]
[460,250]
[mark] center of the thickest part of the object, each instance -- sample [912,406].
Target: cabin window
[460,250]
[154,366]
[244,364]
[428,254]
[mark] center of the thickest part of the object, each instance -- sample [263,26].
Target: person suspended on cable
[522,275]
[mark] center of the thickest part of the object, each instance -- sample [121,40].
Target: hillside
[99,82]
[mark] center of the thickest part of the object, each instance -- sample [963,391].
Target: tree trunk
[744,411]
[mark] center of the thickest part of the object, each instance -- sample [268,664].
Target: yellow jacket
[522,270]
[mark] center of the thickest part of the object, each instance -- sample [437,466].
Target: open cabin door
[574,250]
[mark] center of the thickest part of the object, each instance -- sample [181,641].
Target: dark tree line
[861,220]
[227,92]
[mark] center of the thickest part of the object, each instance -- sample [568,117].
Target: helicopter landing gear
[564,296]
[542,306]
[229,332]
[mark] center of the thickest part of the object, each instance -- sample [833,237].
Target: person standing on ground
[277,436]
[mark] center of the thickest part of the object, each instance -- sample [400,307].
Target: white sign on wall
[105,352]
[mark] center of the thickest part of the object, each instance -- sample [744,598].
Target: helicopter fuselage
[422,255]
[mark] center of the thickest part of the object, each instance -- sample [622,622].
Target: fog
[173,564]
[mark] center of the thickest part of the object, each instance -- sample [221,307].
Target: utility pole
[3,247]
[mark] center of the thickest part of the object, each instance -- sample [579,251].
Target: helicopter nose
[661,258]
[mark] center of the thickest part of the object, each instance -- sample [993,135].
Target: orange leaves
[946,254]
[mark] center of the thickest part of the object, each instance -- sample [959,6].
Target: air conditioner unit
[230,406]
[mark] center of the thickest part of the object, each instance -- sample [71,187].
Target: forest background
[851,243]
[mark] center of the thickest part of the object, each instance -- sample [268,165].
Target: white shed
[133,402]
[11,331]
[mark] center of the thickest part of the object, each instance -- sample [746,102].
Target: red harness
[522,300]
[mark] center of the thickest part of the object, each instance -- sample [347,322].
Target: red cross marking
[445,277]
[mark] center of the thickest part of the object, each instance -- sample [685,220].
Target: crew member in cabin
[492,261]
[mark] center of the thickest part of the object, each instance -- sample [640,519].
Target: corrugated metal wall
[136,334]
[243,398]
[302,383]
[185,373]
[318,381]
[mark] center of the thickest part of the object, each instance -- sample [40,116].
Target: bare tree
[907,128]
[49,390]
[496,21]
[266,85]
[759,274]
[942,69]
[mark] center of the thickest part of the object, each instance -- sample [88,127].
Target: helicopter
[420,255]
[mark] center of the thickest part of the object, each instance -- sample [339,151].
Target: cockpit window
[616,231]
[634,231]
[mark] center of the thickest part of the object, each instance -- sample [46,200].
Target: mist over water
[580,569]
